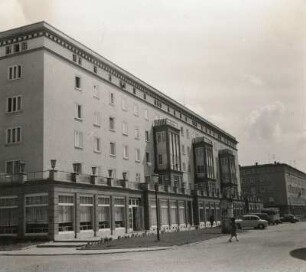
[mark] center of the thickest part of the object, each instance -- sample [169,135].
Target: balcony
[165,122]
[201,140]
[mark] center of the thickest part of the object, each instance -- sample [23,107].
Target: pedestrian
[211,220]
[233,230]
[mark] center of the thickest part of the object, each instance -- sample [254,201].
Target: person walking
[211,220]
[233,230]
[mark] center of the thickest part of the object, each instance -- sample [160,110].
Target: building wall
[30,118]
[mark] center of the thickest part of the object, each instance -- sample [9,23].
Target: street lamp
[53,164]
[155,178]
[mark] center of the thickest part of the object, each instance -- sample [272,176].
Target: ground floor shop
[61,210]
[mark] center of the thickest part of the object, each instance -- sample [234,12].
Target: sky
[240,63]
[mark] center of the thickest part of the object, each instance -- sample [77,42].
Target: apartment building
[278,184]
[83,141]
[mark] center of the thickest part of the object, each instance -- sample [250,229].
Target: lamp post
[52,172]
[156,183]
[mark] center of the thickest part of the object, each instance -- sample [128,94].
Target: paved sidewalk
[123,245]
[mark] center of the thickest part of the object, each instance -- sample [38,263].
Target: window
[14,104]
[14,72]
[74,57]
[119,206]
[16,48]
[97,144]
[136,110]
[36,213]
[112,123]
[77,82]
[122,84]
[134,90]
[78,139]
[138,179]
[86,213]
[111,99]
[13,135]
[24,46]
[112,150]
[12,167]
[104,212]
[184,166]
[137,134]
[187,133]
[148,157]
[124,128]
[183,149]
[65,212]
[78,111]
[182,131]
[137,155]
[8,215]
[97,119]
[95,69]
[80,60]
[123,104]
[160,158]
[8,49]
[147,138]
[96,92]
[125,152]
[146,114]
[188,150]
[144,96]
[110,77]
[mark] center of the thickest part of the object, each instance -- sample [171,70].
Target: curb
[100,252]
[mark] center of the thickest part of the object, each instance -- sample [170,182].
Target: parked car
[263,216]
[289,218]
[251,221]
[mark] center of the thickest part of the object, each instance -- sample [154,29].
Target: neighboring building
[279,184]
[107,133]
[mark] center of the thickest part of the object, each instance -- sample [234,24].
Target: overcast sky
[238,63]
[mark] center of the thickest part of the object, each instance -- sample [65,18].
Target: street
[257,250]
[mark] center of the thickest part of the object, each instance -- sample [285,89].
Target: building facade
[82,141]
[279,185]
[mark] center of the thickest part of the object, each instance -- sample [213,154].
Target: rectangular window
[8,49]
[78,139]
[95,69]
[97,144]
[147,137]
[182,131]
[13,135]
[8,215]
[112,123]
[77,82]
[96,92]
[183,149]
[136,109]
[187,133]
[112,151]
[36,213]
[12,167]
[14,72]
[86,213]
[78,111]
[137,155]
[137,135]
[80,60]
[125,152]
[146,114]
[16,48]
[97,119]
[24,46]
[119,212]
[104,212]
[65,213]
[148,157]
[160,158]
[125,128]
[14,104]
[138,177]
[111,99]
[74,57]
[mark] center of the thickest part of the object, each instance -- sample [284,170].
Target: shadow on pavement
[299,253]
